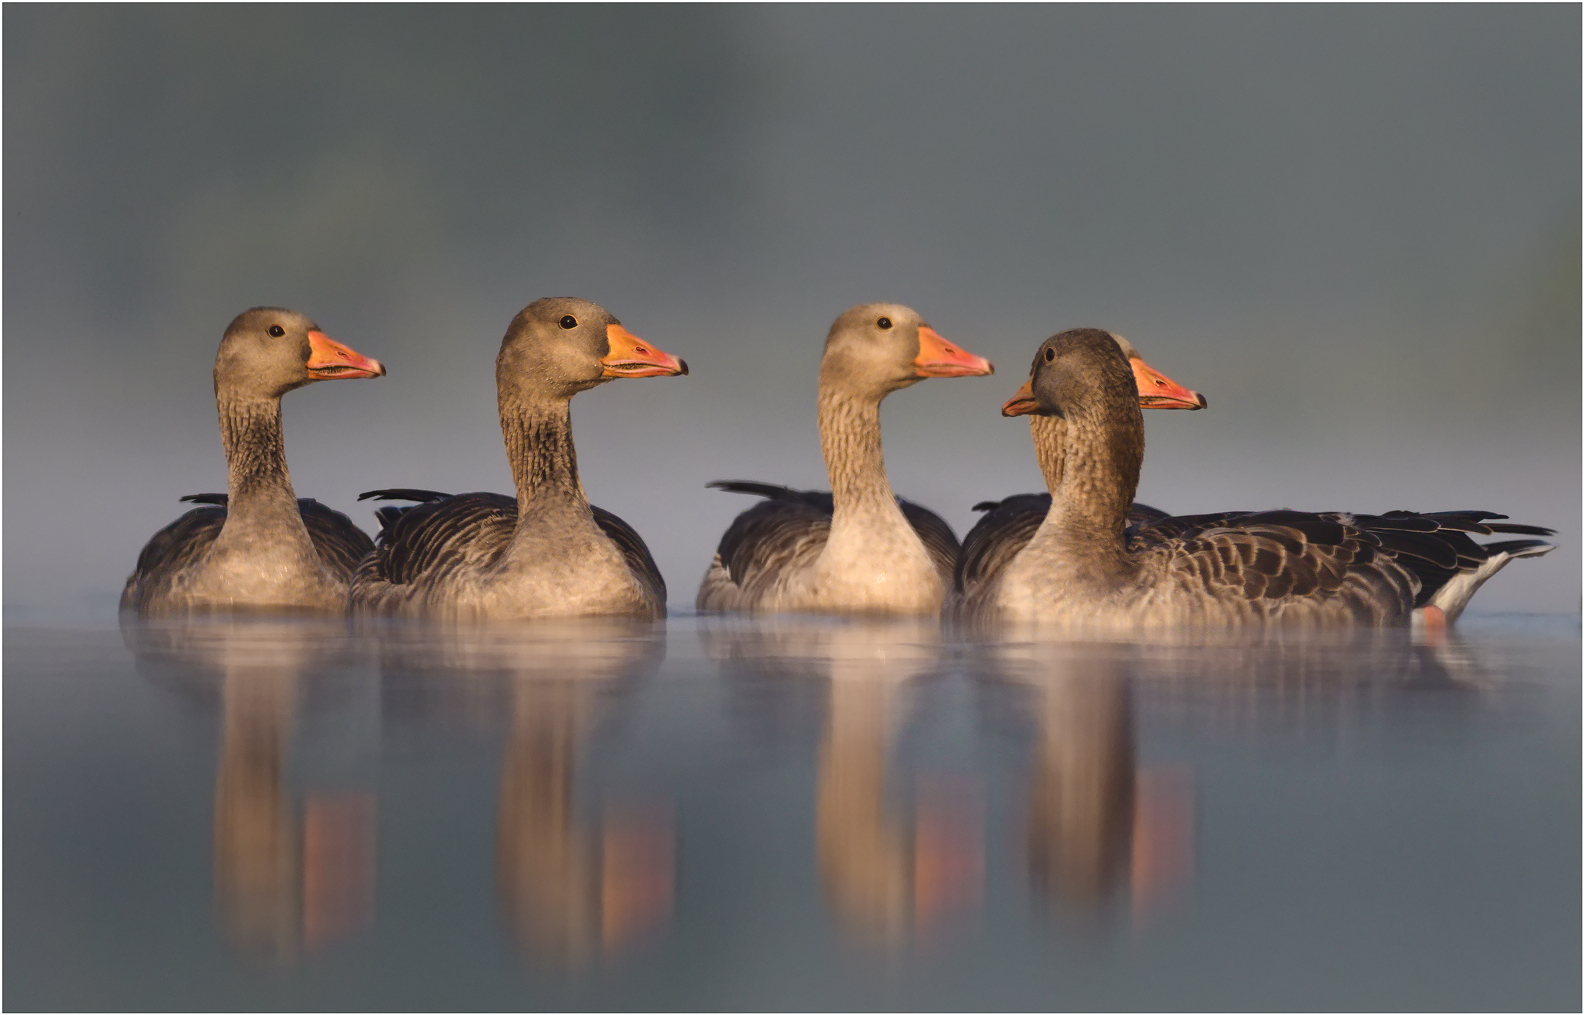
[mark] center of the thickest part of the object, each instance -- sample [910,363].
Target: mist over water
[1356,231]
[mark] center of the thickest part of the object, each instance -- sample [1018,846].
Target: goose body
[859,548]
[547,552]
[1003,530]
[257,547]
[1081,570]
[789,529]
[451,546]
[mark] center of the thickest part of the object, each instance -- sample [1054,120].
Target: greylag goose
[547,552]
[257,546]
[1007,525]
[1080,571]
[859,548]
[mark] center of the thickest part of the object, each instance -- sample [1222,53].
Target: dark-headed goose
[257,547]
[547,552]
[1080,571]
[1007,525]
[859,548]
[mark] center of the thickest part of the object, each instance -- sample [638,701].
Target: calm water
[788,815]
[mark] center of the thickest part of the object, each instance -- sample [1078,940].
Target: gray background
[1355,229]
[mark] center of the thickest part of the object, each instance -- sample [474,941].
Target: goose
[546,552]
[257,546]
[1236,569]
[1007,525]
[858,548]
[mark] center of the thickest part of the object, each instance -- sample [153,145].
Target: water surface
[788,814]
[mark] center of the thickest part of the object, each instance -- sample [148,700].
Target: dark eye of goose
[277,331]
[884,322]
[569,322]
[1050,355]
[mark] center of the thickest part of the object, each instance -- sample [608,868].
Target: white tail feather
[1455,594]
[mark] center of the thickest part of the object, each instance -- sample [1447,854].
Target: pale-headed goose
[859,548]
[547,552]
[1080,571]
[257,547]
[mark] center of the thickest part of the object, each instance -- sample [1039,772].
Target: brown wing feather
[432,540]
[774,533]
[170,551]
[1338,553]
[633,549]
[341,544]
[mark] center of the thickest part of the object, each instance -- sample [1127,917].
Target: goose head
[1077,372]
[877,348]
[268,351]
[559,346]
[1155,389]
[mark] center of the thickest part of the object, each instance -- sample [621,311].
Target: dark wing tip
[748,486]
[217,499]
[403,493]
[1512,528]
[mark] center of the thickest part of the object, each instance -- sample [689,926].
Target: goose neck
[250,430]
[539,448]
[1050,448]
[850,438]
[1100,473]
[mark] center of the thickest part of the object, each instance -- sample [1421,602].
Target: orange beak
[631,356]
[1022,403]
[1157,391]
[329,359]
[939,358]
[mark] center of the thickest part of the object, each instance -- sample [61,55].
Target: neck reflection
[890,873]
[290,877]
[578,881]
[1098,826]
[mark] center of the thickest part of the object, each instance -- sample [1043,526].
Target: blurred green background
[1355,229]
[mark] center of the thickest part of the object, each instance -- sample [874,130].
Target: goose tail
[1452,597]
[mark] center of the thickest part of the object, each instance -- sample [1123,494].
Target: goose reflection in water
[288,879]
[1096,824]
[571,888]
[887,878]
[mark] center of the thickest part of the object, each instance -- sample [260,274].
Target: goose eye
[569,322]
[276,331]
[884,322]
[1050,355]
